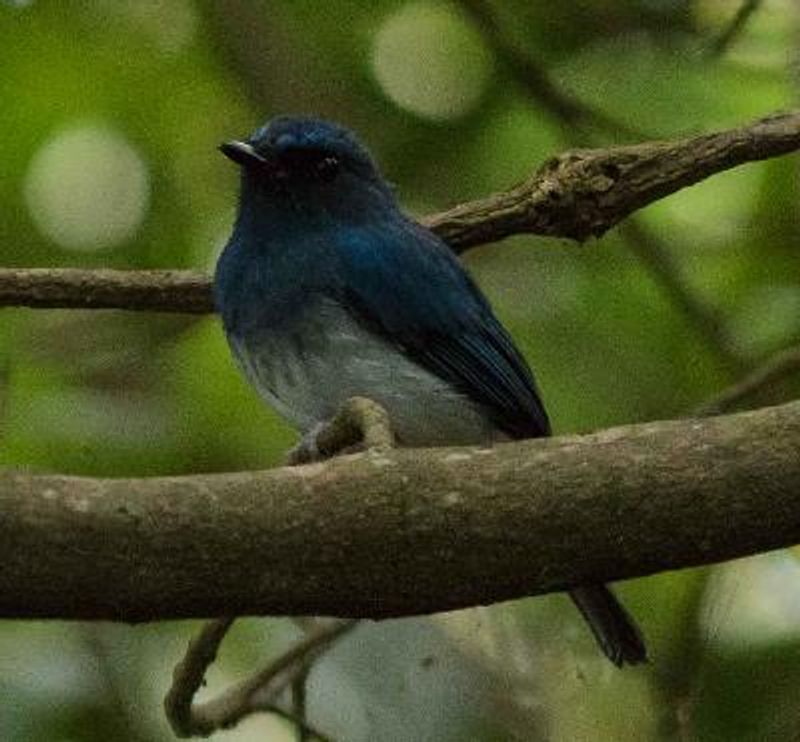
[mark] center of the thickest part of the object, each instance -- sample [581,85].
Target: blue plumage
[328,291]
[441,321]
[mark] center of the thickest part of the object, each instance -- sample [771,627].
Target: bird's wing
[405,283]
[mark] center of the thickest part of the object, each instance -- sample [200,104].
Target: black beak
[241,153]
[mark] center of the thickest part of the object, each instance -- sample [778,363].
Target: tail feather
[613,628]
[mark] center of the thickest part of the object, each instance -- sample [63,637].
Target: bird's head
[307,162]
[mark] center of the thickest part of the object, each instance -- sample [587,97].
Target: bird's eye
[327,168]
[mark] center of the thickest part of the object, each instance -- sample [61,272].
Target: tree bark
[402,531]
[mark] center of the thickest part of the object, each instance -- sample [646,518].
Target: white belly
[331,358]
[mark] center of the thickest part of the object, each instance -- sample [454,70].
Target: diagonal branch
[255,693]
[534,79]
[703,317]
[584,193]
[734,27]
[574,117]
[579,194]
[439,528]
[772,372]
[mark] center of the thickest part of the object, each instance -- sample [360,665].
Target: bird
[327,290]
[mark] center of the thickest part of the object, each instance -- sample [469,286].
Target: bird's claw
[359,424]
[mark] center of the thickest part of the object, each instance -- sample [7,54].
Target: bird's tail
[615,631]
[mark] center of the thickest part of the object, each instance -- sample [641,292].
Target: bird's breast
[308,366]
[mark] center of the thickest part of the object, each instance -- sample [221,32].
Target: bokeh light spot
[172,25]
[430,61]
[87,188]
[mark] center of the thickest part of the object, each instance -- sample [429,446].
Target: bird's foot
[359,424]
[307,450]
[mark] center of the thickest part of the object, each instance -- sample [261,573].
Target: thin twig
[565,109]
[245,697]
[774,370]
[659,263]
[251,694]
[675,678]
[189,675]
[309,731]
[723,42]
[299,700]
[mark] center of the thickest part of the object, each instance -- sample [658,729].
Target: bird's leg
[359,424]
[306,449]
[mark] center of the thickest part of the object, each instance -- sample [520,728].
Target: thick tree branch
[579,194]
[437,528]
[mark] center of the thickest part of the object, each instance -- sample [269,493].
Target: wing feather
[407,285]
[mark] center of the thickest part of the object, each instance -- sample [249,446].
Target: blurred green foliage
[111,394]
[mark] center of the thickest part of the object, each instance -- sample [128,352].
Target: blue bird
[327,291]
